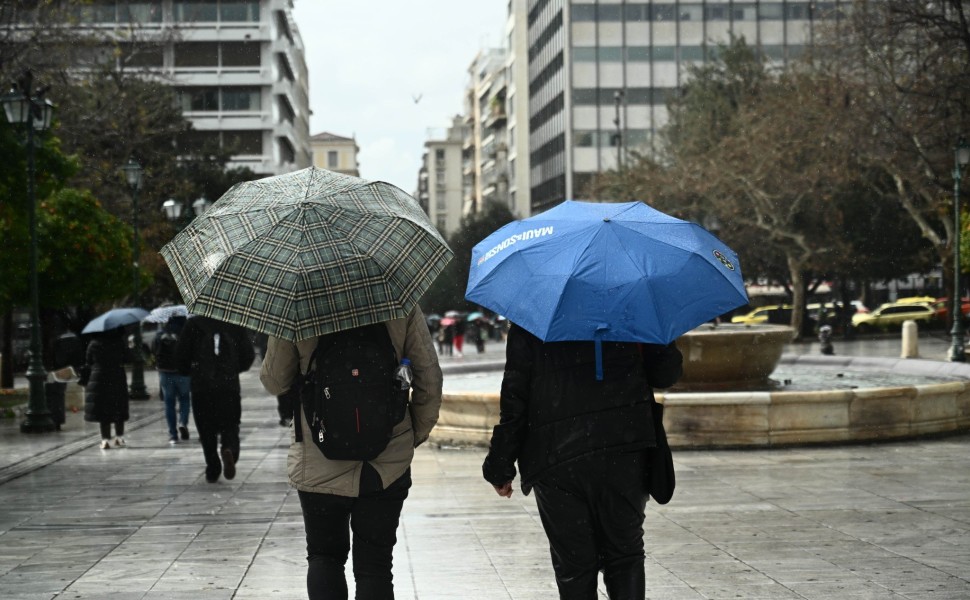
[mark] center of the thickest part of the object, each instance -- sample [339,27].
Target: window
[770,10]
[142,55]
[583,12]
[439,154]
[240,54]
[197,54]
[243,142]
[197,142]
[239,11]
[198,99]
[611,12]
[98,11]
[189,11]
[140,12]
[441,222]
[584,54]
[691,12]
[240,99]
[332,159]
[665,12]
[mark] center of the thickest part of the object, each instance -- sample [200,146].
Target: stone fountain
[727,399]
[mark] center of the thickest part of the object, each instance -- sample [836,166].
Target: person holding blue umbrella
[596,294]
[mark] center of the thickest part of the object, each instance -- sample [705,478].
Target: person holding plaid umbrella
[304,255]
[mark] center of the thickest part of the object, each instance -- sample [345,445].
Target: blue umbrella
[115,318]
[621,272]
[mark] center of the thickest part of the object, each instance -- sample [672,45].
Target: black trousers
[217,421]
[373,518]
[592,513]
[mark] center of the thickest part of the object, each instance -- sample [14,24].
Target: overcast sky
[370,59]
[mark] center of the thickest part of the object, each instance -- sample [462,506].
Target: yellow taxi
[893,314]
[775,313]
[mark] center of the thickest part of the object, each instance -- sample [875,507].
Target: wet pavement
[879,521]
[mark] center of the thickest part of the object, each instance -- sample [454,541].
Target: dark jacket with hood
[213,353]
[104,378]
[553,410]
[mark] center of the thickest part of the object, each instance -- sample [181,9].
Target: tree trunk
[798,295]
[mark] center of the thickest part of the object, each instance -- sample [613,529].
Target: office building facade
[237,66]
[601,71]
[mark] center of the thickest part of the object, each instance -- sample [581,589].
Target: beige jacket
[308,469]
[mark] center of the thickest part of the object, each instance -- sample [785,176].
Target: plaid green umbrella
[307,253]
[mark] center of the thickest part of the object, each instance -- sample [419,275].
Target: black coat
[553,410]
[106,383]
[215,377]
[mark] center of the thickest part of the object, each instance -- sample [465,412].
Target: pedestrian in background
[174,385]
[582,444]
[446,336]
[213,353]
[460,327]
[106,385]
[366,497]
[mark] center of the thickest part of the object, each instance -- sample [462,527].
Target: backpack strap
[297,396]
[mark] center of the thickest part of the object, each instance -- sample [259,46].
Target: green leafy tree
[86,250]
[448,290]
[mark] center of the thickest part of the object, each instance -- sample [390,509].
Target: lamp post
[961,156]
[24,106]
[617,100]
[137,389]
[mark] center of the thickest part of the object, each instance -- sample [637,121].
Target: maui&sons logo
[519,237]
[724,260]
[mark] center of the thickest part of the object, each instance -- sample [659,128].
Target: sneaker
[285,422]
[120,442]
[228,463]
[173,441]
[106,444]
[184,432]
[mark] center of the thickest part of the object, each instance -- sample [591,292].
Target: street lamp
[137,390]
[174,209]
[617,100]
[26,107]
[961,156]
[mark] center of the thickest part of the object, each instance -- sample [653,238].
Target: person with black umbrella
[106,385]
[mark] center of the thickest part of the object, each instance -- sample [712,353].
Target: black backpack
[349,395]
[165,351]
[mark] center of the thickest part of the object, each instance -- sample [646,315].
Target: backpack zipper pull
[326,393]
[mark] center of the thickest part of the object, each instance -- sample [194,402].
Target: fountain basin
[731,357]
[718,419]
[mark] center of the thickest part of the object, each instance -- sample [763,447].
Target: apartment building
[237,65]
[335,153]
[600,73]
[440,179]
[517,109]
[484,152]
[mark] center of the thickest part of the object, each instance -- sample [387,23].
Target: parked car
[893,314]
[774,313]
[942,308]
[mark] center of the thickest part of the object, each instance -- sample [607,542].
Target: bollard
[910,340]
